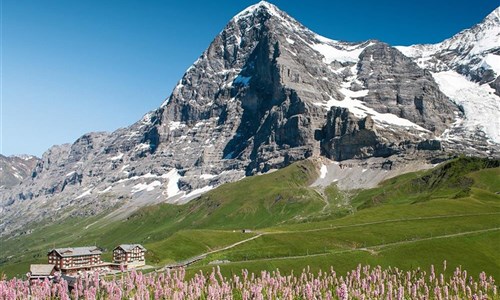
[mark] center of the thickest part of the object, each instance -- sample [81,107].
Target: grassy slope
[446,181]
[405,222]
[475,253]
[426,226]
[174,232]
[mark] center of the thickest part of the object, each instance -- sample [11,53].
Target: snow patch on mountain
[481,105]
[253,8]
[117,157]
[85,194]
[491,62]
[105,190]
[334,51]
[195,193]
[24,156]
[173,182]
[358,108]
[145,186]
[207,176]
[174,125]
[323,171]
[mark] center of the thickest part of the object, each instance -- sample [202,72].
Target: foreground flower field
[364,282]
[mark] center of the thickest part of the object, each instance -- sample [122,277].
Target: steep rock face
[258,92]
[265,93]
[398,86]
[14,169]
[346,136]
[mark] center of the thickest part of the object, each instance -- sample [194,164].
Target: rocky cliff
[14,169]
[266,92]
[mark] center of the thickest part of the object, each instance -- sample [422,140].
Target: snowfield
[481,105]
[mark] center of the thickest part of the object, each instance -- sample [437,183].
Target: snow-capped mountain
[472,52]
[266,92]
[467,69]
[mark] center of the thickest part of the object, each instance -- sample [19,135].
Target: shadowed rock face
[265,93]
[346,137]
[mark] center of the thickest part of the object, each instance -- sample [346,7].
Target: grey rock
[399,86]
[496,85]
[14,169]
[265,93]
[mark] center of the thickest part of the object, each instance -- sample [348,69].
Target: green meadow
[451,213]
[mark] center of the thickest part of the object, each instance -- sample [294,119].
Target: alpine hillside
[268,92]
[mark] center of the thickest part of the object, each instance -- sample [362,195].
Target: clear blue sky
[70,67]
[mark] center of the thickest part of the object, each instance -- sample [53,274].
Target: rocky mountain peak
[265,93]
[480,39]
[467,69]
[260,7]
[263,11]
[473,45]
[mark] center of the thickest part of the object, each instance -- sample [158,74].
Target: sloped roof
[77,251]
[41,269]
[130,247]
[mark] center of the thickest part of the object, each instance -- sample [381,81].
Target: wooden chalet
[74,260]
[129,255]
[42,272]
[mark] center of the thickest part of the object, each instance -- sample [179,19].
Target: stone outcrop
[14,169]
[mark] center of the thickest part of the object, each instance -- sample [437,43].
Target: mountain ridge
[265,93]
[467,66]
